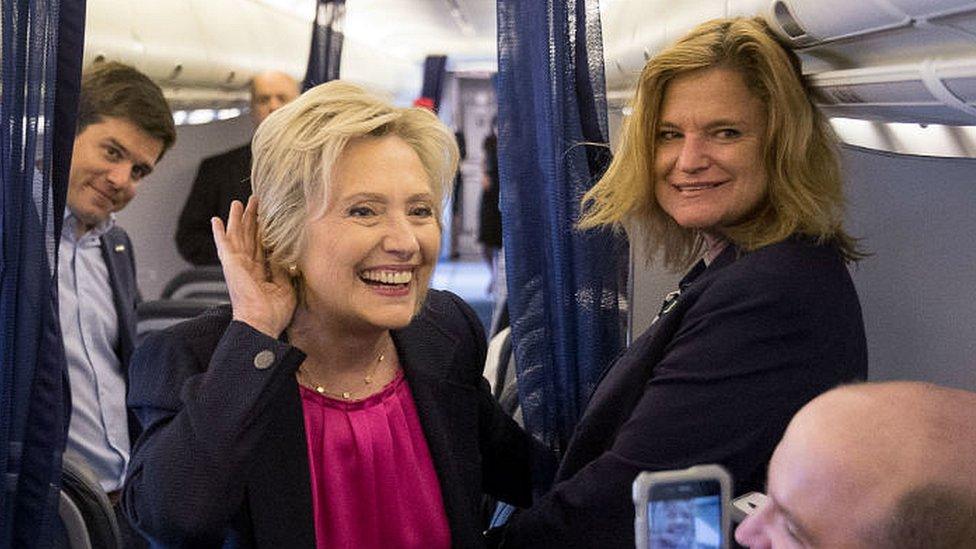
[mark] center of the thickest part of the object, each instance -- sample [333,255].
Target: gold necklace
[344,395]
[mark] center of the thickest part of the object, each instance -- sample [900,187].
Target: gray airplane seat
[500,370]
[86,519]
[162,313]
[203,283]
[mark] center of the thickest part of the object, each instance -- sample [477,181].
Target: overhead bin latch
[790,25]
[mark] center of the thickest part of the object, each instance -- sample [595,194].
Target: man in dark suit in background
[124,127]
[226,177]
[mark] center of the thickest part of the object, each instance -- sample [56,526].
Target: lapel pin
[120,247]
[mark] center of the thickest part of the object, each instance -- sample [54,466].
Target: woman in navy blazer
[335,402]
[725,164]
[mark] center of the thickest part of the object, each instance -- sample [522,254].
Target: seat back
[204,283]
[501,369]
[162,313]
[87,519]
[72,533]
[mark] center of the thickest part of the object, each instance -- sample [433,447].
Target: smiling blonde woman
[725,164]
[336,402]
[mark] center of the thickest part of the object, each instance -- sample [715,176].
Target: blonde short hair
[805,194]
[296,149]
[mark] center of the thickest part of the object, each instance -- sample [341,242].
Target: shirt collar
[714,246]
[728,254]
[71,221]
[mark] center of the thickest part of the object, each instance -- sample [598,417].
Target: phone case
[642,489]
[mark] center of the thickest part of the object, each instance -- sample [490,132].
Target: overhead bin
[884,60]
[199,51]
[634,31]
[931,92]
[204,52]
[805,23]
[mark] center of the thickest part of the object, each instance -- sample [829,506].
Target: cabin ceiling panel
[411,29]
[634,30]
[201,52]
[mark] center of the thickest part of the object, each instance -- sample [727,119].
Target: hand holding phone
[685,509]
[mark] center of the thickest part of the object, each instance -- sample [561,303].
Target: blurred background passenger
[225,177]
[490,217]
[726,166]
[457,197]
[883,466]
[336,402]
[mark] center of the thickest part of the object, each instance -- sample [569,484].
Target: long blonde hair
[805,194]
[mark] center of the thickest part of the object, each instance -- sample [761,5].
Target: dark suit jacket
[224,452]
[716,379]
[220,180]
[121,263]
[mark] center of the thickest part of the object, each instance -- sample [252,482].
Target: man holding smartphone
[874,465]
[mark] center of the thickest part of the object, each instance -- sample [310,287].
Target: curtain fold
[565,287]
[40,70]
[326,50]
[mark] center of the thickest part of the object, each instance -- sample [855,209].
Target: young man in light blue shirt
[124,127]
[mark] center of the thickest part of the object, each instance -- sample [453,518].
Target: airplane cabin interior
[895,78]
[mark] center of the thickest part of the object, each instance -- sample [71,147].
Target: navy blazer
[121,264]
[751,339]
[224,454]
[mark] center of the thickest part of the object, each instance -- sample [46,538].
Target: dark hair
[112,89]
[930,517]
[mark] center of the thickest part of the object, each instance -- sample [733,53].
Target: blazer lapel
[115,253]
[622,384]
[279,485]
[279,490]
[445,412]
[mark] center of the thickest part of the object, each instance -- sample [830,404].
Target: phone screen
[685,515]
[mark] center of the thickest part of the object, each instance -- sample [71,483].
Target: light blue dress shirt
[99,430]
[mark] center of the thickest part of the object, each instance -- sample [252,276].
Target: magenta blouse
[373,480]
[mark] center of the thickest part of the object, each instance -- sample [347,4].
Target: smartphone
[745,505]
[686,509]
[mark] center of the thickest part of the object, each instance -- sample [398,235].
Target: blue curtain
[565,287]
[326,49]
[41,68]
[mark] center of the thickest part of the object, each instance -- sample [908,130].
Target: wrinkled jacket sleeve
[204,411]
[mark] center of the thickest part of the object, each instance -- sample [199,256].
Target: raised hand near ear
[261,295]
